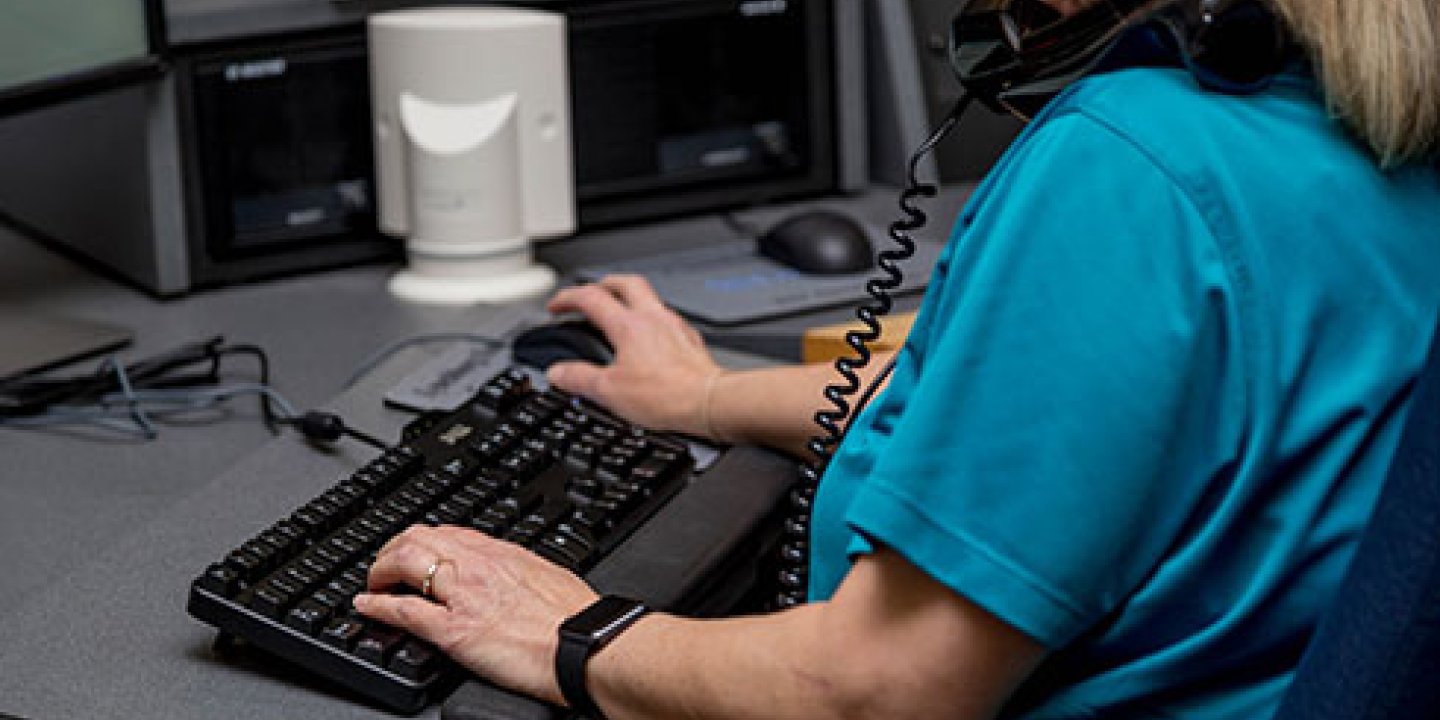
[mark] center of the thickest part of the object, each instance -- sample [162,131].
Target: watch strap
[583,635]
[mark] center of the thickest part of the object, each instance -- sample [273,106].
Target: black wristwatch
[583,635]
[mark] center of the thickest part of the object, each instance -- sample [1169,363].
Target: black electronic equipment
[56,53]
[109,45]
[1010,54]
[253,156]
[540,469]
[821,242]
[912,88]
[548,343]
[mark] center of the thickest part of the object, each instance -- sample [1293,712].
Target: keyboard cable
[162,390]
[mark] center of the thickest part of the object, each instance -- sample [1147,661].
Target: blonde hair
[1379,63]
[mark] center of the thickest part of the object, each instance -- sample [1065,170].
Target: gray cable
[131,405]
[137,413]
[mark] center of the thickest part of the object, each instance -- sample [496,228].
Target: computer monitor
[52,51]
[56,50]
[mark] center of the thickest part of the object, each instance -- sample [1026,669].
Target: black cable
[139,407]
[267,410]
[793,576]
[33,395]
[327,427]
[874,387]
[137,391]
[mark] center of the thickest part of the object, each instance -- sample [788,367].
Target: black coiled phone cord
[793,575]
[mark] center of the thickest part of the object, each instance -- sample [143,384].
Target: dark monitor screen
[687,106]
[54,50]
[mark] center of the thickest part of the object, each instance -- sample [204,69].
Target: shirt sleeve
[1076,392]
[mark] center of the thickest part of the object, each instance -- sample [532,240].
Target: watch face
[607,615]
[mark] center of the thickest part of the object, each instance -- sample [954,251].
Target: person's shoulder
[1162,111]
[1197,135]
[1104,128]
[1130,92]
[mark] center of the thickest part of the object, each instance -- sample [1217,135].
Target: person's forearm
[891,644]
[766,667]
[776,407]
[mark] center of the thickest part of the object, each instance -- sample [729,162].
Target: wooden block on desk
[825,343]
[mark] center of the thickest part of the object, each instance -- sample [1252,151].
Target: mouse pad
[730,284]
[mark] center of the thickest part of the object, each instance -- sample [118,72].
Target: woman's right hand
[662,373]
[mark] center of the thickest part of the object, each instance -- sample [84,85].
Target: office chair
[1376,652]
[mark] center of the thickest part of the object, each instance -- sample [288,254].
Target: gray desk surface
[100,536]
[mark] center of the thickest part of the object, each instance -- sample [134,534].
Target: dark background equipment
[913,87]
[64,49]
[252,156]
[54,52]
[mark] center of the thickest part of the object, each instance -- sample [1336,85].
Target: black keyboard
[540,469]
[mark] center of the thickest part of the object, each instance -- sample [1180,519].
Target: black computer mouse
[819,242]
[543,345]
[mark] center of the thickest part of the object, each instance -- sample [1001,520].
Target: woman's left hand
[493,606]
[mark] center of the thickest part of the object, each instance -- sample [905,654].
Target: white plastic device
[472,148]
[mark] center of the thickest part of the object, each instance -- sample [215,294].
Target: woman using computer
[1123,456]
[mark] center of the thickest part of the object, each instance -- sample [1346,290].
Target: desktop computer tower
[252,156]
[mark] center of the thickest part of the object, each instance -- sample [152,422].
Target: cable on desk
[254,351]
[127,392]
[129,398]
[327,427]
[130,409]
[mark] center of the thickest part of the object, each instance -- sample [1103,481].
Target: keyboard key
[344,587]
[586,486]
[343,633]
[285,585]
[268,553]
[594,518]
[570,534]
[270,601]
[329,554]
[246,565]
[308,617]
[581,457]
[461,468]
[575,556]
[654,470]
[557,557]
[345,547]
[377,642]
[489,525]
[414,660]
[332,600]
[311,521]
[219,579]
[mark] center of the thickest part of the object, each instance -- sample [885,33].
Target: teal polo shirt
[1152,391]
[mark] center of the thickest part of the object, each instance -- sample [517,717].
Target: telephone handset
[1003,53]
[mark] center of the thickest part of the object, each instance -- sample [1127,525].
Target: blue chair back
[1376,652]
